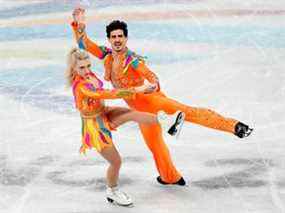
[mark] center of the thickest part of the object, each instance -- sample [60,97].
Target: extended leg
[121,115]
[201,116]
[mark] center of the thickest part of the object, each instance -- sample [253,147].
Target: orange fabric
[89,100]
[127,75]
[202,116]
[130,76]
[89,45]
[131,70]
[152,135]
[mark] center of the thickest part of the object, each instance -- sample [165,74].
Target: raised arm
[78,27]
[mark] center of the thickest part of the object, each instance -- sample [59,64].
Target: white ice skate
[172,124]
[116,196]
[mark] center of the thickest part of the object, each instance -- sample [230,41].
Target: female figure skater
[99,120]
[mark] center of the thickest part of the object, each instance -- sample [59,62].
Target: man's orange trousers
[152,134]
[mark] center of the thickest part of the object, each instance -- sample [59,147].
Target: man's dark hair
[117,25]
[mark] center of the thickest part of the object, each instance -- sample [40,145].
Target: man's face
[118,40]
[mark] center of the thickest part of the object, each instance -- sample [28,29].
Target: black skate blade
[179,128]
[110,200]
[175,129]
[172,131]
[250,130]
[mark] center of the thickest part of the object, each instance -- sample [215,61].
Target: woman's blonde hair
[73,56]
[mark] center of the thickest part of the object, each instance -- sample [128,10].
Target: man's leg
[152,133]
[201,116]
[153,137]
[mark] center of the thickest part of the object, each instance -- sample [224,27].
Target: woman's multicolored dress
[89,100]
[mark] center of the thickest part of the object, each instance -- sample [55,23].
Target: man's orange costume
[131,72]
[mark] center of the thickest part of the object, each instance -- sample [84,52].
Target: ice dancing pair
[98,120]
[128,73]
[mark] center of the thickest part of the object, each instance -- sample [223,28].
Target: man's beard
[118,48]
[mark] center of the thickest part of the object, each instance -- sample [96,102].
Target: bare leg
[113,157]
[120,115]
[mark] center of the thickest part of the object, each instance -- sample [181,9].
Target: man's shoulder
[134,59]
[105,50]
[133,54]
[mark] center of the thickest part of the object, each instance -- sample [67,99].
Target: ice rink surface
[225,55]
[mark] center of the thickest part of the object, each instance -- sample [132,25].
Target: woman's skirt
[96,133]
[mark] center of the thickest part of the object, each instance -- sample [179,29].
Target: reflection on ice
[249,176]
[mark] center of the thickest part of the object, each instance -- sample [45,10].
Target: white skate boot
[172,124]
[116,196]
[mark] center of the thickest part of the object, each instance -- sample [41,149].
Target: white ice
[41,170]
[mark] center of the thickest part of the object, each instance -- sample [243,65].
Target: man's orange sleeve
[83,40]
[148,74]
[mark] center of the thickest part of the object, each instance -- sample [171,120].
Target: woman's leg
[113,193]
[120,115]
[113,157]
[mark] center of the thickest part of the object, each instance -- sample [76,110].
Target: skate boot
[116,196]
[180,182]
[242,130]
[172,124]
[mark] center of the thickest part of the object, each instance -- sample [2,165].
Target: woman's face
[83,67]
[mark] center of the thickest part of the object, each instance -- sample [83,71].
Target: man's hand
[78,15]
[147,88]
[79,19]
[150,88]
